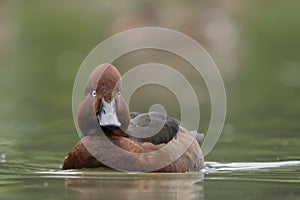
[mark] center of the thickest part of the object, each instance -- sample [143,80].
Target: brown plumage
[172,149]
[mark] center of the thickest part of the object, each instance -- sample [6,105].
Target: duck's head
[102,108]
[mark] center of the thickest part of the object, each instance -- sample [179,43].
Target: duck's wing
[153,127]
[181,154]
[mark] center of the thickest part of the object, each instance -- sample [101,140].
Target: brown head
[102,107]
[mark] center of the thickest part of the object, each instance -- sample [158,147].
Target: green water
[42,45]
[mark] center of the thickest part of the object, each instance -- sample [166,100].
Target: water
[260,180]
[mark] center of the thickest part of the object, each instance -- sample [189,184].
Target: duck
[113,137]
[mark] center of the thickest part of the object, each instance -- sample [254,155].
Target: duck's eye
[94,93]
[119,93]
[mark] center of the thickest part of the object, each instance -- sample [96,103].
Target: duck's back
[153,127]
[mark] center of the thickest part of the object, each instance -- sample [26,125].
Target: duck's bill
[107,115]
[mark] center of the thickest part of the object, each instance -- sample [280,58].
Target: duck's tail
[199,136]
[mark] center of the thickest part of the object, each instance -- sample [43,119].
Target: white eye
[119,93]
[94,93]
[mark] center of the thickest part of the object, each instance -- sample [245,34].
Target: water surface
[276,180]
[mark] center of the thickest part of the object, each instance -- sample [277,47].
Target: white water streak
[245,166]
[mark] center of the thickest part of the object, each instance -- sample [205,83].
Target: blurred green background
[255,44]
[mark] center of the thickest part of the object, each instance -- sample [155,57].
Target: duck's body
[80,157]
[152,141]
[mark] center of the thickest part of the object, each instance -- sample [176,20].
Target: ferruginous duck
[114,138]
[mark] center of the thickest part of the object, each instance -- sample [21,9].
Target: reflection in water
[137,186]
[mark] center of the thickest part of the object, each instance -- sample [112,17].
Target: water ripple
[246,166]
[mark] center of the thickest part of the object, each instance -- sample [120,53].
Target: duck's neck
[110,132]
